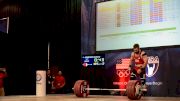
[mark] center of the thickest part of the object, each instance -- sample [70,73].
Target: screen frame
[127,49]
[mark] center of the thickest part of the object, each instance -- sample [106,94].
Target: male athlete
[140,60]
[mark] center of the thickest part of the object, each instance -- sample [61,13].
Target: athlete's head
[136,48]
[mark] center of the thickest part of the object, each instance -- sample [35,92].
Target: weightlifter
[140,60]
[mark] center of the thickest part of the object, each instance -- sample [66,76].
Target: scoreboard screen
[93,60]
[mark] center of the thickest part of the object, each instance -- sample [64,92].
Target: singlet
[138,58]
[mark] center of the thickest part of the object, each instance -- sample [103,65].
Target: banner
[162,71]
[40,83]
[174,72]
[157,71]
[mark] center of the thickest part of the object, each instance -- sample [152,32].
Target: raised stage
[71,97]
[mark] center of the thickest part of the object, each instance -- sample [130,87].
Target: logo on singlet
[152,66]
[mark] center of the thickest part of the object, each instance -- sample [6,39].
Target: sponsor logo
[123,72]
[153,83]
[120,83]
[152,66]
[38,77]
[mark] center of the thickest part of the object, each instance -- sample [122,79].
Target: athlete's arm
[131,59]
[145,59]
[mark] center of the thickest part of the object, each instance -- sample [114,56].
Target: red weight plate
[132,90]
[80,87]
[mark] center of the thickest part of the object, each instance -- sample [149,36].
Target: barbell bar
[110,89]
[103,89]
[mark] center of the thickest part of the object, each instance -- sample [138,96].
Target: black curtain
[65,34]
[34,23]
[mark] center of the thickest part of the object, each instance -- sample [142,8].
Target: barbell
[133,89]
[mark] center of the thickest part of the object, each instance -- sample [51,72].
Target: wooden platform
[69,97]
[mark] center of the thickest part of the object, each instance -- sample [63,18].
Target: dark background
[70,31]
[34,23]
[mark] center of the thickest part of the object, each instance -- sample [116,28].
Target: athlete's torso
[138,59]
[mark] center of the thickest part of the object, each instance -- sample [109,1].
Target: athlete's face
[136,50]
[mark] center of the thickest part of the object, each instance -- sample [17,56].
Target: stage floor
[69,97]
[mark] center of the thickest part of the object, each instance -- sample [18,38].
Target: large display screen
[151,23]
[4,25]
